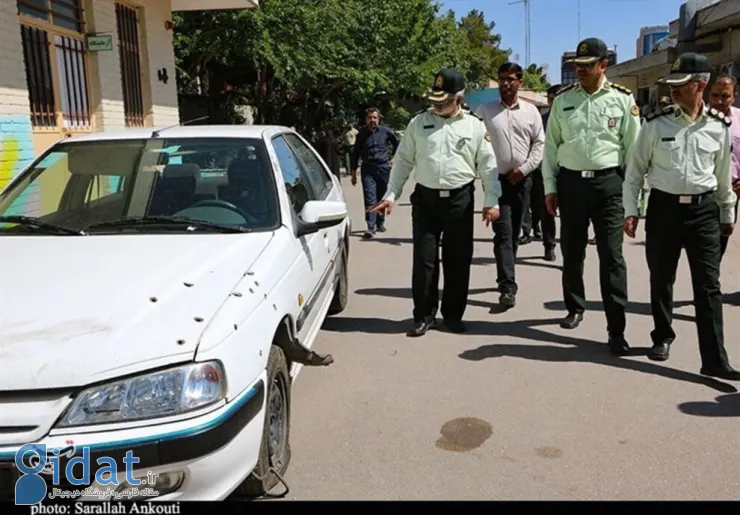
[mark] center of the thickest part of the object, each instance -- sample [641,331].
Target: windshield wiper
[35,222]
[189,223]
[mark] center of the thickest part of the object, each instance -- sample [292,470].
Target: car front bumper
[211,454]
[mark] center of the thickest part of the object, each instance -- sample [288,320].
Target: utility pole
[526,30]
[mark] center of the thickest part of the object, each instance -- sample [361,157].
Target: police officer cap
[590,50]
[685,68]
[447,83]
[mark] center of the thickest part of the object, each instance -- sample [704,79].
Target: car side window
[317,174]
[299,191]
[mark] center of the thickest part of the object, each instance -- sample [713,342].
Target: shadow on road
[723,406]
[635,308]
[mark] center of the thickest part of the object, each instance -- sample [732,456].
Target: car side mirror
[320,214]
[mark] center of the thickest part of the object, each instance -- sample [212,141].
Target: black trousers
[597,199]
[724,240]
[536,214]
[669,227]
[506,229]
[433,213]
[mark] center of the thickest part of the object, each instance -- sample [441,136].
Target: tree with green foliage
[318,62]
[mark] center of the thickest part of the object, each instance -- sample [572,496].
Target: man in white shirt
[518,142]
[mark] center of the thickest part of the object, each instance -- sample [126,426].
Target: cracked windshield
[494,238]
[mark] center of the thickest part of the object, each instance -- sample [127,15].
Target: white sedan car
[162,289]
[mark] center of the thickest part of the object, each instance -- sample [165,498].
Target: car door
[312,259]
[323,186]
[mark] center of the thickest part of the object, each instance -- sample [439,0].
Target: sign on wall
[96,43]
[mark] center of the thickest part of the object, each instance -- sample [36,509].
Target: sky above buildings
[554,24]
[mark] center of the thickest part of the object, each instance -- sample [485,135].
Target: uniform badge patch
[612,122]
[461,143]
[488,137]
[635,111]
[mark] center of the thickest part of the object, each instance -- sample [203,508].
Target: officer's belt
[590,174]
[683,199]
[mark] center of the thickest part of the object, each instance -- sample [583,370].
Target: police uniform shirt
[445,153]
[683,157]
[589,132]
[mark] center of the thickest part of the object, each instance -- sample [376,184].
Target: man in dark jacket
[372,147]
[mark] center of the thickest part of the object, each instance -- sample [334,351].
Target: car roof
[186,131]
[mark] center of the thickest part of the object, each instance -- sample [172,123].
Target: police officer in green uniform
[592,128]
[685,152]
[447,147]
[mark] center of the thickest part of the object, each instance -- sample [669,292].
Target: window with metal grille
[128,47]
[72,72]
[56,68]
[38,76]
[62,13]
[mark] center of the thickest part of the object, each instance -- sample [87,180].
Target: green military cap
[590,50]
[685,68]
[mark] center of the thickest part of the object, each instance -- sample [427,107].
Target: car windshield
[152,185]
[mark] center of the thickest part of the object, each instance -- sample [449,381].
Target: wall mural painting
[16,151]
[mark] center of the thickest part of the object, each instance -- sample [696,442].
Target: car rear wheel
[339,302]
[275,453]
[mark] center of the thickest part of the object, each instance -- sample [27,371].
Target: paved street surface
[518,409]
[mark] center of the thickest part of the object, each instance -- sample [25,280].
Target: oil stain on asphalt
[463,434]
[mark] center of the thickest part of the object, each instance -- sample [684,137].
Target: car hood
[80,309]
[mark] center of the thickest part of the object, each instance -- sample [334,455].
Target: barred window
[130,56]
[55,59]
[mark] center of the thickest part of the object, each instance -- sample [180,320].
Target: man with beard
[722,95]
[447,147]
[372,147]
[685,152]
[517,139]
[591,132]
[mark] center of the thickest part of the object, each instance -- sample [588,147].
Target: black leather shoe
[455,326]
[572,321]
[420,329]
[659,352]
[618,345]
[507,300]
[549,254]
[726,372]
[524,240]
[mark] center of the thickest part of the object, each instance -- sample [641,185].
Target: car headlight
[159,394]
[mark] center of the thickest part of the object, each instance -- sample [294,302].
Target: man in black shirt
[372,147]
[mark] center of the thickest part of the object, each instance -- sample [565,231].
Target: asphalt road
[519,408]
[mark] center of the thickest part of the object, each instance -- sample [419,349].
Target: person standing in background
[348,144]
[722,95]
[517,138]
[536,216]
[372,147]
[583,173]
[329,150]
[684,150]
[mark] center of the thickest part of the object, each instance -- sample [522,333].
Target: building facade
[568,69]
[650,36]
[710,28]
[77,66]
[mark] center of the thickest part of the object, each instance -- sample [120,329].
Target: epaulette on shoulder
[658,113]
[719,116]
[566,88]
[475,115]
[421,112]
[621,88]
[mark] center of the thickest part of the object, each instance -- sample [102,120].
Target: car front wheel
[339,302]
[274,456]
